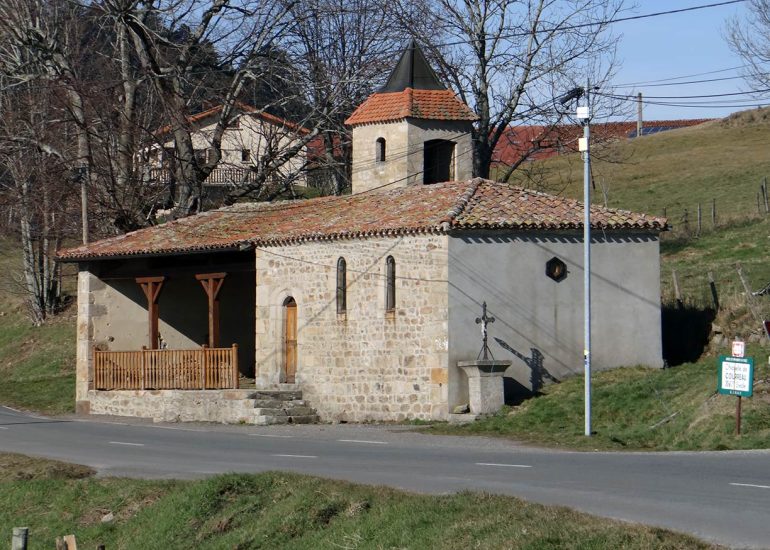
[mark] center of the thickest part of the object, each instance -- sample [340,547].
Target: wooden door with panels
[290,341]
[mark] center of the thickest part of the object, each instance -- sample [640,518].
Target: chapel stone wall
[366,364]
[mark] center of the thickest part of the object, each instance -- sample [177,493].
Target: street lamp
[584,115]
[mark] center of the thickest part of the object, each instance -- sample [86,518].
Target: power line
[682,83]
[645,82]
[617,96]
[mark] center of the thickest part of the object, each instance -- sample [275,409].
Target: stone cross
[484,320]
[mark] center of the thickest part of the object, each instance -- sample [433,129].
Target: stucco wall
[254,134]
[539,322]
[366,364]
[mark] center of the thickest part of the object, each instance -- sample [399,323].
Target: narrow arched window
[342,286]
[380,149]
[390,284]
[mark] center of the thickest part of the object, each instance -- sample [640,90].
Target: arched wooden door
[290,340]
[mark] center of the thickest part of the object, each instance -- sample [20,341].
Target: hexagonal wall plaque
[556,269]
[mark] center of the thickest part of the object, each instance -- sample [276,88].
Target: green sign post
[736,377]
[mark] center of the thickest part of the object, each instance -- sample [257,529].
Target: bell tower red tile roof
[412,91]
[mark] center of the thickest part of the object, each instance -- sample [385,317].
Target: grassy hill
[276,510]
[37,364]
[723,160]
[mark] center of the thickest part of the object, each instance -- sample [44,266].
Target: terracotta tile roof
[429,104]
[244,108]
[539,142]
[438,208]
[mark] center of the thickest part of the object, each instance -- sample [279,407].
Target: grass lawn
[37,364]
[275,510]
[720,160]
[719,252]
[638,409]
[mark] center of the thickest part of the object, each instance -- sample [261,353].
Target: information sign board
[736,376]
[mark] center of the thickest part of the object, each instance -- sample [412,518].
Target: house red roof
[538,142]
[410,103]
[437,208]
[244,108]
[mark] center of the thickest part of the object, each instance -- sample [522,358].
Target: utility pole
[83,176]
[584,115]
[639,123]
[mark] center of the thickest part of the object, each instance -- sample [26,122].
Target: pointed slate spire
[412,71]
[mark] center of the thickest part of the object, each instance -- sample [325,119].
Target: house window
[390,284]
[245,155]
[380,149]
[342,286]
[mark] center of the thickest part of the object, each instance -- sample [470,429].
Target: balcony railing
[218,176]
[167,369]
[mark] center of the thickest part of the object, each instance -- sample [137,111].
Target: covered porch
[181,322]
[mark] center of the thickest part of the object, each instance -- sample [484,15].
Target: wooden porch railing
[167,369]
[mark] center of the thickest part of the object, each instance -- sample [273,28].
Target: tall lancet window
[380,155]
[342,286]
[390,284]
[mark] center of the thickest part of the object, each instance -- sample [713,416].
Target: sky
[675,45]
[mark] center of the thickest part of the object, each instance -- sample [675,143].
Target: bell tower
[413,130]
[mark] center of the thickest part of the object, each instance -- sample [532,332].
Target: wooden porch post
[212,283]
[151,287]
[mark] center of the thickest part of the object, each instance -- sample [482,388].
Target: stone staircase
[281,406]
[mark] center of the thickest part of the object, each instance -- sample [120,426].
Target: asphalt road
[721,496]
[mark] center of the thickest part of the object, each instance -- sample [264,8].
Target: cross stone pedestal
[485,384]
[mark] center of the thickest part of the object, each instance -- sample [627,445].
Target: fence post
[19,540]
[764,193]
[235,366]
[713,213]
[143,365]
[677,294]
[93,382]
[204,367]
[700,216]
[749,295]
[714,295]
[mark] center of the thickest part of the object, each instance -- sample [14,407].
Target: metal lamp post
[584,115]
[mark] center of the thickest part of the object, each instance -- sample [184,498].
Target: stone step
[299,411]
[267,420]
[282,395]
[306,419]
[269,403]
[270,412]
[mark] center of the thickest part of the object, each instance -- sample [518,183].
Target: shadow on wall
[685,332]
[515,392]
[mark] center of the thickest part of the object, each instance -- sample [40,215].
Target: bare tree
[30,182]
[510,59]
[240,38]
[343,48]
[749,37]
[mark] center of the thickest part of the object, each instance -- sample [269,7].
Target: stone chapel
[359,307]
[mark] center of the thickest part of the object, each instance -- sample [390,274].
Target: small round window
[556,269]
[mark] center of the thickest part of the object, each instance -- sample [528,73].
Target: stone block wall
[223,406]
[366,364]
[404,154]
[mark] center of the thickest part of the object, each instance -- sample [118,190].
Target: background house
[252,138]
